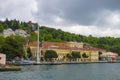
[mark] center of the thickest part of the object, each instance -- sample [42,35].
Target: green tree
[2,40]
[20,39]
[1,28]
[99,53]
[75,54]
[84,55]
[5,26]
[48,37]
[12,48]
[33,37]
[69,56]
[50,54]
[29,53]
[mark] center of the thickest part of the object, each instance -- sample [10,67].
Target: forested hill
[51,34]
[107,43]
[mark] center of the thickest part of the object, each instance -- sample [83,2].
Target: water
[105,71]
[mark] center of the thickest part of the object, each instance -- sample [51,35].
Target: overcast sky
[86,17]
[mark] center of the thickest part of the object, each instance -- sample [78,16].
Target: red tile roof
[61,45]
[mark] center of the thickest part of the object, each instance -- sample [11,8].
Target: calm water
[105,71]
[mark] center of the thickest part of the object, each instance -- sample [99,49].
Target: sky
[86,17]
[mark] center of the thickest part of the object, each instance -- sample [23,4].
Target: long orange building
[64,48]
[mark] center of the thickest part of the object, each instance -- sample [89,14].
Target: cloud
[84,12]
[95,17]
[21,10]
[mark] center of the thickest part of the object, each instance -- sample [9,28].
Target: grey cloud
[84,12]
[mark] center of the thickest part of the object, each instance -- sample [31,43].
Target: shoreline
[60,63]
[16,67]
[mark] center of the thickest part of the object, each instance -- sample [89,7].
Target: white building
[8,32]
[2,58]
[109,56]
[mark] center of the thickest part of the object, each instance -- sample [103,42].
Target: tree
[12,48]
[2,40]
[76,54]
[99,53]
[5,26]
[29,53]
[69,56]
[48,37]
[9,51]
[50,54]
[84,55]
[33,37]
[1,28]
[20,39]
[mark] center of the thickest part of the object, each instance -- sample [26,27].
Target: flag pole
[38,49]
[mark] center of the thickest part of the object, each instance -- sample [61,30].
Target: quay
[9,68]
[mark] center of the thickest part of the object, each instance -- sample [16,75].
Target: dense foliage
[12,47]
[16,24]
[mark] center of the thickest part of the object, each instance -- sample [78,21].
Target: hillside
[107,43]
[51,34]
